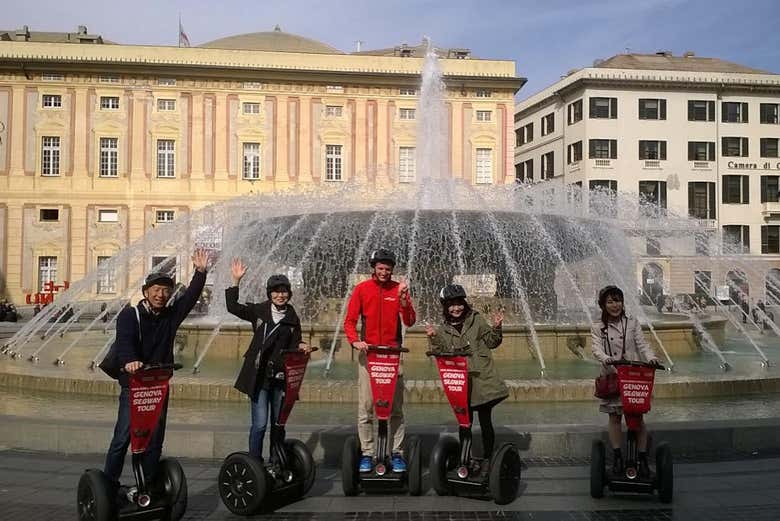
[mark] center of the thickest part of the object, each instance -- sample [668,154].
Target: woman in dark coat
[465,330]
[277,329]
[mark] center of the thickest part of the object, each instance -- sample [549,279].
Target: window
[166,158]
[574,152]
[50,156]
[701,243]
[548,124]
[109,150]
[770,112]
[734,146]
[600,204]
[702,283]
[50,214]
[47,271]
[652,109]
[526,134]
[166,82]
[251,161]
[736,238]
[484,173]
[701,151]
[333,111]
[407,113]
[602,149]
[769,146]
[407,91]
[770,189]
[333,162]
[484,115]
[548,165]
[108,78]
[164,216]
[483,93]
[106,282]
[407,164]
[733,112]
[736,189]
[604,184]
[251,108]
[51,101]
[109,102]
[108,216]
[164,264]
[770,238]
[652,150]
[166,104]
[605,108]
[52,76]
[699,110]
[701,200]
[524,172]
[653,246]
[574,112]
[652,197]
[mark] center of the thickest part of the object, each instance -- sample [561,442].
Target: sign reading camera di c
[753,165]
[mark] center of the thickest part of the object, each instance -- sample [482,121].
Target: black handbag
[110,364]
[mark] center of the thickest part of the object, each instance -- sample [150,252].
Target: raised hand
[237,270]
[200,259]
[403,292]
[430,330]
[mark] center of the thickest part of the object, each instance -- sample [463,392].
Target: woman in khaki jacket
[465,330]
[619,337]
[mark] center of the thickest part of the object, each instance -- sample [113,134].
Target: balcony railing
[603,163]
[702,164]
[652,163]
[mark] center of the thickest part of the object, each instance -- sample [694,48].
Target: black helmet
[163,279]
[278,281]
[383,256]
[451,292]
[607,291]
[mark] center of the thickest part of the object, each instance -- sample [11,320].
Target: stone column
[16,132]
[196,133]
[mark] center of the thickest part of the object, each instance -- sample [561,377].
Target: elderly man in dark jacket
[145,335]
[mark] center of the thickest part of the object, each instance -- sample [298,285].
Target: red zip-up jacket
[379,307]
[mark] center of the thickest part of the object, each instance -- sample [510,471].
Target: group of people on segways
[380,457]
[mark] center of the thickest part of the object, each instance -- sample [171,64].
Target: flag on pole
[184,41]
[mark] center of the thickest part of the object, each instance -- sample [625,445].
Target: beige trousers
[366,412]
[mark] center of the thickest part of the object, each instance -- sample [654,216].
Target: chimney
[23,34]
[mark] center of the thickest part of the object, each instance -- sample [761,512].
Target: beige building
[99,142]
[698,136]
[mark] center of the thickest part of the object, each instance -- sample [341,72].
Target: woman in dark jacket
[277,329]
[465,330]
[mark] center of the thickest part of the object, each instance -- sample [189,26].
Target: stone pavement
[37,486]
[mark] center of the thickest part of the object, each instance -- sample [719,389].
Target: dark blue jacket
[158,331]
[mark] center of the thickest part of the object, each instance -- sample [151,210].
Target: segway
[382,364]
[166,499]
[452,468]
[246,482]
[635,381]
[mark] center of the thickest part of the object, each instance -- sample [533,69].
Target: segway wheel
[415,466]
[302,462]
[242,483]
[597,469]
[174,486]
[95,497]
[664,468]
[350,457]
[443,458]
[504,478]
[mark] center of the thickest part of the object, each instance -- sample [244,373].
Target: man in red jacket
[382,303]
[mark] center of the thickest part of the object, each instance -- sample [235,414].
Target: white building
[698,136]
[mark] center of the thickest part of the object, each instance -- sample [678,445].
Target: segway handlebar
[296,350]
[635,363]
[387,349]
[448,353]
[150,367]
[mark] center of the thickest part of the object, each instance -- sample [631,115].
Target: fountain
[539,252]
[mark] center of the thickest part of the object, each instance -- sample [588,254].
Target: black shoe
[644,469]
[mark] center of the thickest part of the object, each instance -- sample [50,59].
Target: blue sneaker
[398,463]
[366,464]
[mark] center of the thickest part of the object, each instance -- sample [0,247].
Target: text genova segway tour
[382,363]
[246,483]
[635,382]
[166,498]
[452,468]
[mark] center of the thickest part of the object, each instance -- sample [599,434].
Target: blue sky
[545,38]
